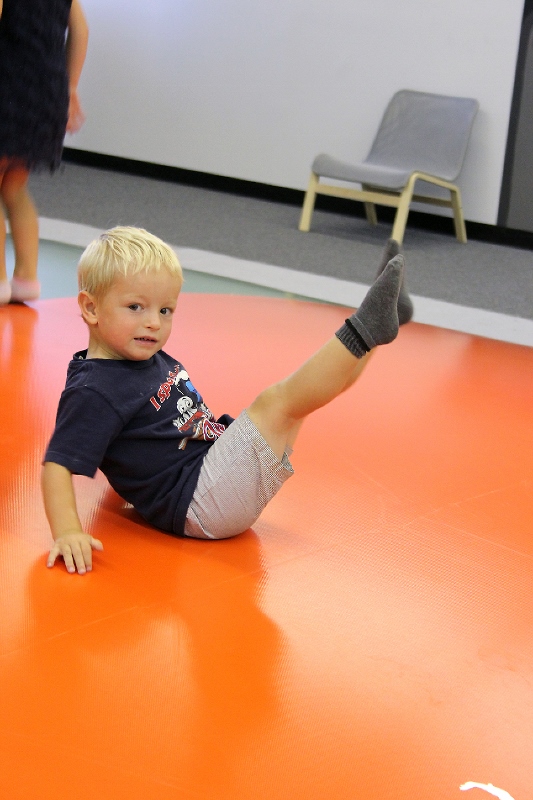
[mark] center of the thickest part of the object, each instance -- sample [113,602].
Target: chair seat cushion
[365,172]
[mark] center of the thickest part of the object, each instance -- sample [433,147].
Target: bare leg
[5,288]
[360,364]
[23,221]
[3,273]
[278,411]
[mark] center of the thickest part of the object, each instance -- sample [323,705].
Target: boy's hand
[70,541]
[77,551]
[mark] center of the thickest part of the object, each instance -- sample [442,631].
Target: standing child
[131,409]
[42,51]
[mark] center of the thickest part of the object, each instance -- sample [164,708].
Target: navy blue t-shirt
[143,424]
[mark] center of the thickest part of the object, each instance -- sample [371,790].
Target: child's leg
[249,463]
[5,289]
[24,229]
[240,475]
[360,365]
[279,410]
[3,272]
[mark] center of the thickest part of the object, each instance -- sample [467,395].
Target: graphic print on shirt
[194,420]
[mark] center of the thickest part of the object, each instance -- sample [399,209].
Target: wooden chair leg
[309,203]
[458,218]
[371,215]
[400,220]
[370,210]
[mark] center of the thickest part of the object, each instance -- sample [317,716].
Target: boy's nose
[152,320]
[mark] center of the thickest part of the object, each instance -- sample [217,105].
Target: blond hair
[120,252]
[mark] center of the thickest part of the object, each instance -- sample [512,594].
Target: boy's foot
[23,290]
[405,304]
[376,320]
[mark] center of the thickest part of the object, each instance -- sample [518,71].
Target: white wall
[255,90]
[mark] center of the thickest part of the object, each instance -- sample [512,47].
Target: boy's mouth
[145,339]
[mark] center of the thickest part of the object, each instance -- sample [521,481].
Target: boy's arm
[60,505]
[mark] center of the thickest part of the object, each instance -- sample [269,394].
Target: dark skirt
[34,93]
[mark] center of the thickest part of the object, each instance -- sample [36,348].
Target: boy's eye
[134,307]
[166,311]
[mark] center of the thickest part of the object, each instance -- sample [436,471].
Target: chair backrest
[424,132]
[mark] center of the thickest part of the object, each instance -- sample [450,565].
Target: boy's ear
[88,308]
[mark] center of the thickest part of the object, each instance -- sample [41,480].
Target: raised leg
[279,410]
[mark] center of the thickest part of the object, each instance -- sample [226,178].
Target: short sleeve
[86,423]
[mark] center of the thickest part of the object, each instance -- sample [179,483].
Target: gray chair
[422,140]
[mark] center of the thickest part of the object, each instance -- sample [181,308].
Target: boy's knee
[270,414]
[272,407]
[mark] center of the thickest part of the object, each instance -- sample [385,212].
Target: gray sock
[376,320]
[405,304]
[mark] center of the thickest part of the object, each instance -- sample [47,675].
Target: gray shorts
[239,476]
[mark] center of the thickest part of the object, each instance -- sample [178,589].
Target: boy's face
[133,319]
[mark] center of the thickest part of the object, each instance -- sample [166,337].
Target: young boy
[131,410]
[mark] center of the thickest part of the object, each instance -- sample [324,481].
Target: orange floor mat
[370,639]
